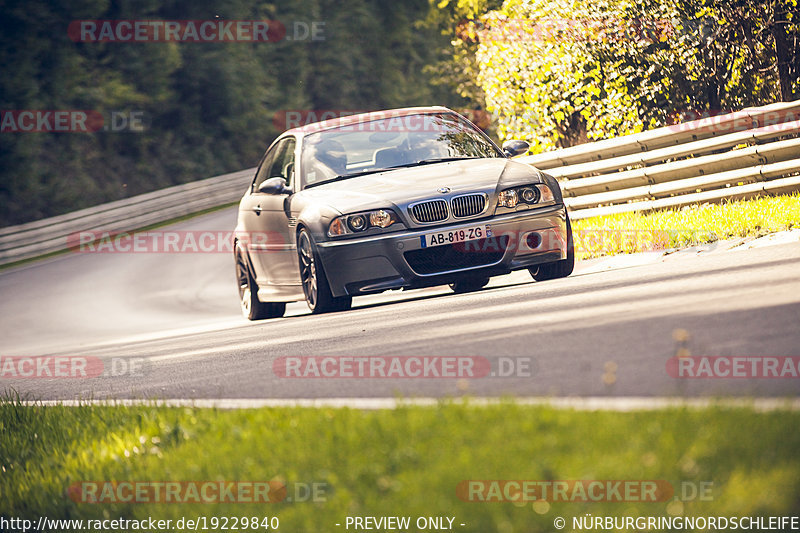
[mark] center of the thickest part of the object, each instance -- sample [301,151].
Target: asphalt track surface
[607,330]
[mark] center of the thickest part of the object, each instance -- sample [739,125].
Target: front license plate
[454,236]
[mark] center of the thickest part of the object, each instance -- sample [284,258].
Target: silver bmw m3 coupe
[397,199]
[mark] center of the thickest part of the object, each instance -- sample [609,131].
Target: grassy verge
[405,462]
[675,228]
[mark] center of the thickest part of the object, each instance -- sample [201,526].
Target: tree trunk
[782,56]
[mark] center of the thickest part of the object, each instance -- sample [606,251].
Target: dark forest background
[211,108]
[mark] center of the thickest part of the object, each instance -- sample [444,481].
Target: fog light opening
[533,240]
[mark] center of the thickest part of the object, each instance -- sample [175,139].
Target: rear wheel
[252,307]
[557,269]
[469,285]
[315,285]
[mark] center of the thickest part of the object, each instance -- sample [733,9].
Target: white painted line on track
[226,348]
[598,403]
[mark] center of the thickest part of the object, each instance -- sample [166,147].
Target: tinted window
[263,169]
[283,164]
[390,142]
[278,162]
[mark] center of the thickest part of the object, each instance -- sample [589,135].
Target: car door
[271,241]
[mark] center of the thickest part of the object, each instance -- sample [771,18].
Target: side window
[283,164]
[266,165]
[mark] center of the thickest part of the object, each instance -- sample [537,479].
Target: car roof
[364,117]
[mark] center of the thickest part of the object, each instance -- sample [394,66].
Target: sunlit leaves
[561,72]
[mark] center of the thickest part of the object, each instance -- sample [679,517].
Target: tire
[468,285]
[557,269]
[315,284]
[252,307]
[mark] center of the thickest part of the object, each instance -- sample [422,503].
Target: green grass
[407,461]
[676,228]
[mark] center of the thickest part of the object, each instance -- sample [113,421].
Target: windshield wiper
[433,160]
[347,176]
[376,170]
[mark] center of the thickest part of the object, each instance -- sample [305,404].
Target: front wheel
[557,269]
[315,284]
[252,307]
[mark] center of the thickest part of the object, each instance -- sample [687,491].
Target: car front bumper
[397,260]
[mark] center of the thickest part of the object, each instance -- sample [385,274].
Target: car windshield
[390,142]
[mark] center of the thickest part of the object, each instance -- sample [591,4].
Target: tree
[562,72]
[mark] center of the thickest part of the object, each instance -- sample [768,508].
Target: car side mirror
[514,148]
[274,186]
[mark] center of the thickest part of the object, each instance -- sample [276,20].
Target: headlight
[545,194]
[535,195]
[358,222]
[381,218]
[508,198]
[529,195]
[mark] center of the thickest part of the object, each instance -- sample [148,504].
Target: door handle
[257,209]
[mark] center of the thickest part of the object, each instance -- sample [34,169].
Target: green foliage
[209,108]
[457,66]
[688,226]
[406,462]
[564,72]
[555,72]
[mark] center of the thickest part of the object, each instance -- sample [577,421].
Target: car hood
[402,186]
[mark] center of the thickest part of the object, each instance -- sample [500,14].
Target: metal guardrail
[744,154]
[748,153]
[51,234]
